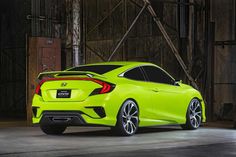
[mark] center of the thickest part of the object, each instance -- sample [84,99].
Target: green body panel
[158,104]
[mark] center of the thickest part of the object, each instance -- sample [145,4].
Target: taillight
[38,88]
[106,88]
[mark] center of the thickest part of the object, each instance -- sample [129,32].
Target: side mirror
[177,82]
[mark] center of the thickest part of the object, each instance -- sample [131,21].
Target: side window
[135,74]
[155,74]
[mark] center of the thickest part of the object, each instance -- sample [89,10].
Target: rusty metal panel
[44,54]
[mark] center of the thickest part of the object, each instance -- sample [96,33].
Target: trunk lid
[68,89]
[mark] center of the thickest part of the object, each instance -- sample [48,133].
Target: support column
[76,34]
[191,28]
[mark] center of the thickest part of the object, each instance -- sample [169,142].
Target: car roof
[122,63]
[125,65]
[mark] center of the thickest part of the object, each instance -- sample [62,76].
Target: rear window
[99,69]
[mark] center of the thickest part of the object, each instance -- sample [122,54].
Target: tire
[127,119]
[193,116]
[53,129]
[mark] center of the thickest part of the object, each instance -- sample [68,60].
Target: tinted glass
[157,75]
[135,74]
[99,69]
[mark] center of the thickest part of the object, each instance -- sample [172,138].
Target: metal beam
[225,42]
[164,23]
[170,43]
[127,32]
[95,52]
[177,3]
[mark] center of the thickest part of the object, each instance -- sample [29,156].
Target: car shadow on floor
[109,133]
[158,129]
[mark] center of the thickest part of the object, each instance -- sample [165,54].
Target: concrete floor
[99,142]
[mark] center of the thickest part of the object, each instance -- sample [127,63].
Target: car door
[168,96]
[140,93]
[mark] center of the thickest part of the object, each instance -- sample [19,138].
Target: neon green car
[121,95]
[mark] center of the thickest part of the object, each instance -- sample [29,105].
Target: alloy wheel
[195,113]
[130,117]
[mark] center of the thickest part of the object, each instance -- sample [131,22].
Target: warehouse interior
[203,32]
[204,37]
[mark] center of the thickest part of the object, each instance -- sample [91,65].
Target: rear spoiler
[67,73]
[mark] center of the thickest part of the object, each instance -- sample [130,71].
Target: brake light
[38,88]
[106,88]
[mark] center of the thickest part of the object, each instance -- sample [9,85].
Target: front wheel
[127,119]
[53,129]
[193,116]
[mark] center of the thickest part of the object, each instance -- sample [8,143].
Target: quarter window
[135,74]
[157,75]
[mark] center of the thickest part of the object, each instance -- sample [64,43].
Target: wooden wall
[145,43]
[13,28]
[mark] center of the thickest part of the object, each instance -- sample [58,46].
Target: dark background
[204,31]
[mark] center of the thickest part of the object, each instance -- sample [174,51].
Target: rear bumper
[67,118]
[97,110]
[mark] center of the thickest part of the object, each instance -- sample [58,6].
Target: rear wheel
[53,129]
[194,115]
[127,119]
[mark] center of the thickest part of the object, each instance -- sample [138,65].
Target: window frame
[148,79]
[141,70]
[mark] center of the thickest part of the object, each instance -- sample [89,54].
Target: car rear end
[73,98]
